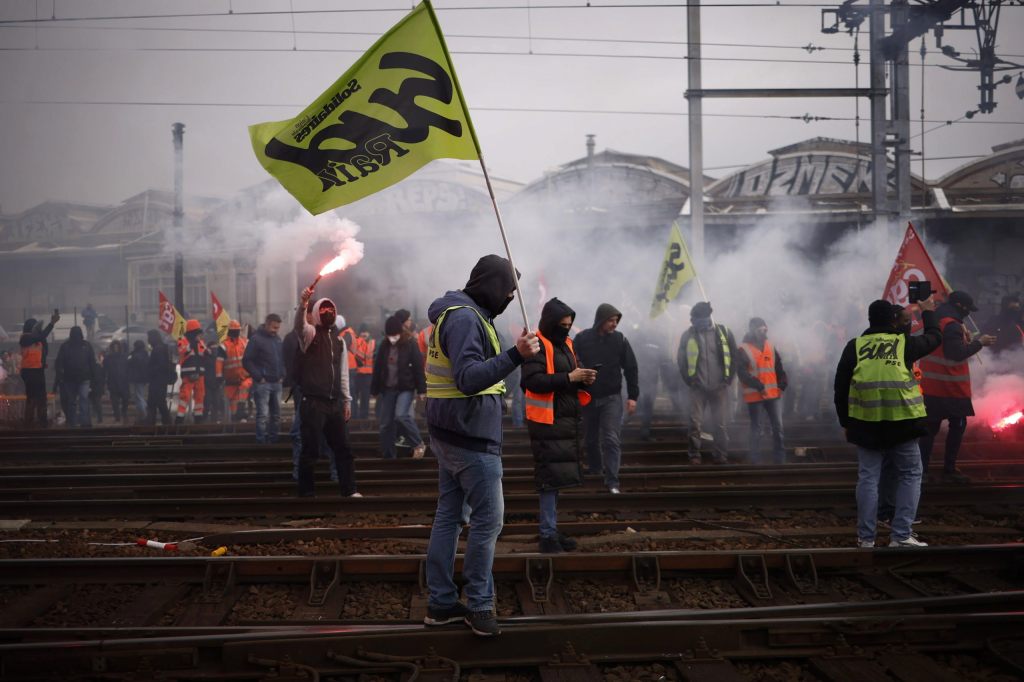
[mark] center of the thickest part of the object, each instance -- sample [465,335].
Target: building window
[245,290]
[196,298]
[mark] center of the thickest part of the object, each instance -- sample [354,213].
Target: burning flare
[350,252]
[1008,420]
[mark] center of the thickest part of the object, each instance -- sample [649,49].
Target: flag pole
[480,156]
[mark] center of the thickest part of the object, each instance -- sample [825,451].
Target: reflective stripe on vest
[540,407]
[882,387]
[440,383]
[693,353]
[942,377]
[234,351]
[32,356]
[364,355]
[761,364]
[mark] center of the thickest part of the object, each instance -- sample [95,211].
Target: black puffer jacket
[556,447]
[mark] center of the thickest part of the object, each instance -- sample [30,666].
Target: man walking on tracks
[881,408]
[763,380]
[465,369]
[705,359]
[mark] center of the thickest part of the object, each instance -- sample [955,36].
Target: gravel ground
[690,593]
[777,671]
[970,669]
[655,672]
[87,605]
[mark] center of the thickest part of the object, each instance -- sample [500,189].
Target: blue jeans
[296,435]
[602,423]
[469,491]
[268,405]
[79,408]
[906,461]
[138,393]
[395,414]
[549,513]
[772,408]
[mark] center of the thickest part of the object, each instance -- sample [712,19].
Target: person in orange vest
[192,358]
[365,347]
[946,382]
[349,336]
[554,381]
[423,339]
[763,380]
[236,380]
[33,368]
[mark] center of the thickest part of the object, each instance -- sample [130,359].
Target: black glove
[758,384]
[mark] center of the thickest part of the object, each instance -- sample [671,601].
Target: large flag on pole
[913,264]
[676,270]
[220,318]
[393,111]
[171,321]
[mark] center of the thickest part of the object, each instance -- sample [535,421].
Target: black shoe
[483,623]
[954,476]
[550,545]
[452,614]
[567,543]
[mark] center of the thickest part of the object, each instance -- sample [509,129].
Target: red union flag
[913,264]
[171,321]
[220,318]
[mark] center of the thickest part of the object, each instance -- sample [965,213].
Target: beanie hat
[880,313]
[756,322]
[392,326]
[700,309]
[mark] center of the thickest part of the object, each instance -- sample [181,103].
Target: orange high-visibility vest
[348,335]
[423,339]
[234,350]
[540,407]
[761,364]
[32,356]
[942,377]
[364,355]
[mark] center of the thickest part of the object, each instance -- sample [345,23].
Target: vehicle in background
[123,334]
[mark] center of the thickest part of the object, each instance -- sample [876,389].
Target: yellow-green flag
[676,270]
[397,108]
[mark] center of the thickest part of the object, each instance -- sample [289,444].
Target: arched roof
[996,178]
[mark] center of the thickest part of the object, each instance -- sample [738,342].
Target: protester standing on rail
[33,368]
[554,384]
[138,378]
[397,380]
[763,379]
[881,409]
[465,369]
[264,363]
[115,364]
[161,372]
[76,370]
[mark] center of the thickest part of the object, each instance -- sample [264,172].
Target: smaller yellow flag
[676,270]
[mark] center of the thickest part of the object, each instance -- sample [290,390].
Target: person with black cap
[763,379]
[397,379]
[881,409]
[1007,325]
[555,389]
[946,382]
[706,362]
[607,350]
[465,388]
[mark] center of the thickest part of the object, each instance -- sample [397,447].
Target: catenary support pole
[694,112]
[178,131]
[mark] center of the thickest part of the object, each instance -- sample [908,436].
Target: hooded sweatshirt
[31,335]
[76,361]
[612,352]
[321,367]
[474,422]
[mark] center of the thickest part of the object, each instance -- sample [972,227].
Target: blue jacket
[263,359]
[473,423]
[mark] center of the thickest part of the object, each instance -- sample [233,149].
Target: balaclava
[554,310]
[490,283]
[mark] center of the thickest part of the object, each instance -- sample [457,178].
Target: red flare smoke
[1008,421]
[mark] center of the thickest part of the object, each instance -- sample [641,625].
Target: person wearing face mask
[465,389]
[192,359]
[763,379]
[554,383]
[880,407]
[1007,325]
[706,362]
[321,369]
[946,382]
[397,378]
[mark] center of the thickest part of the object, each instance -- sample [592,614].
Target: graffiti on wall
[806,174]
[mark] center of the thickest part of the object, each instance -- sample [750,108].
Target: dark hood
[949,310]
[153,336]
[76,335]
[30,324]
[606,311]
[554,310]
[490,283]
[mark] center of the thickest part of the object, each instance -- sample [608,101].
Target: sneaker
[695,460]
[954,476]
[355,495]
[915,522]
[567,543]
[550,545]
[483,623]
[884,523]
[419,451]
[452,614]
[909,542]
[866,544]
[614,491]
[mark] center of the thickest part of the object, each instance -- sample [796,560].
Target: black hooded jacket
[556,447]
[30,336]
[76,361]
[612,352]
[159,367]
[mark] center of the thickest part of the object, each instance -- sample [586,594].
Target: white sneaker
[909,542]
[355,495]
[866,544]
[614,491]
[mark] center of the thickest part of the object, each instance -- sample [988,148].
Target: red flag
[913,264]
[171,321]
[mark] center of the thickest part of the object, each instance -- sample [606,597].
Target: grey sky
[103,153]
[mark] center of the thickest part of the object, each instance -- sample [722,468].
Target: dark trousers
[214,405]
[156,400]
[361,396]
[324,417]
[955,436]
[35,397]
[119,404]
